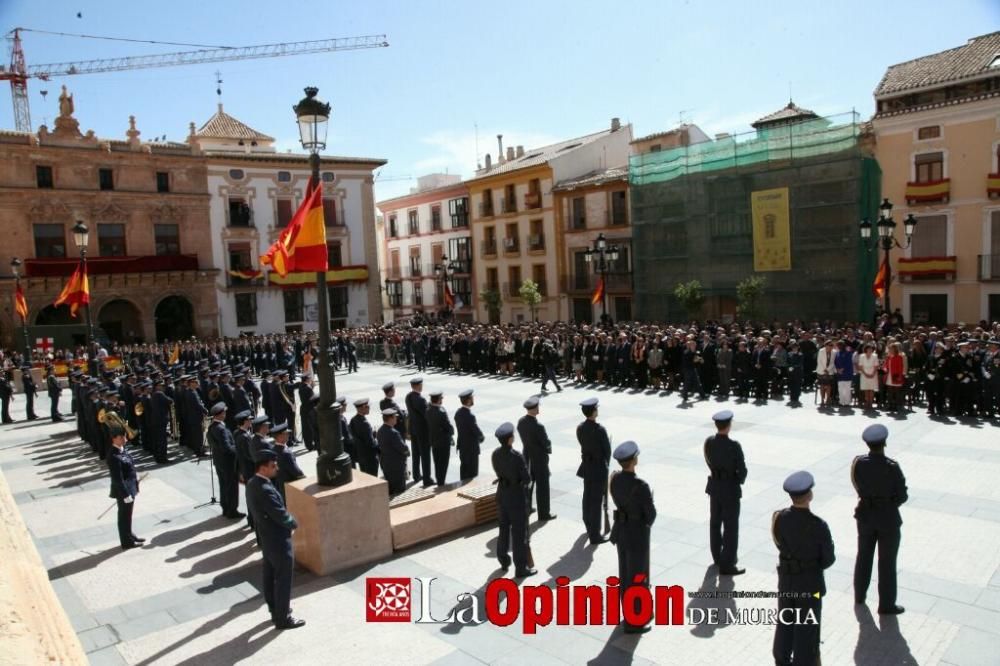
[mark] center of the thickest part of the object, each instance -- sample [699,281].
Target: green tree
[749,294]
[493,301]
[691,297]
[530,296]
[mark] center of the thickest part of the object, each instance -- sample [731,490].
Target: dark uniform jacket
[439,428]
[393,452]
[272,521]
[469,434]
[595,450]
[534,440]
[364,439]
[223,447]
[416,407]
[634,510]
[805,549]
[244,461]
[52,385]
[288,469]
[386,403]
[124,482]
[881,490]
[724,458]
[514,480]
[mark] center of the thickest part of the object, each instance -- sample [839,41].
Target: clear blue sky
[535,70]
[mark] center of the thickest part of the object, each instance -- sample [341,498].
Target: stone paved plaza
[191,594]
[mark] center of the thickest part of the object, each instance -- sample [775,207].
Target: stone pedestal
[340,527]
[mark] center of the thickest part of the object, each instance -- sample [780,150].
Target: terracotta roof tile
[224,126]
[968,61]
[789,112]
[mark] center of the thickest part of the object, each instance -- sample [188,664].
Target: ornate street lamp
[81,236]
[886,228]
[15,267]
[444,272]
[333,466]
[601,256]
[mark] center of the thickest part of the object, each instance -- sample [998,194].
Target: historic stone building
[146,205]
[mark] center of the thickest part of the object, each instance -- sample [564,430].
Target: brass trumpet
[112,418]
[138,409]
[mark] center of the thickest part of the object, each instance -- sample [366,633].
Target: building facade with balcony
[514,226]
[253,193]
[424,230]
[146,204]
[937,126]
[586,207]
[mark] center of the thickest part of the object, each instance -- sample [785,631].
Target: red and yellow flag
[76,292]
[449,298]
[20,304]
[881,282]
[301,247]
[598,293]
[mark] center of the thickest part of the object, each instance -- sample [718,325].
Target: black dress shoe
[891,610]
[129,546]
[524,573]
[551,516]
[138,539]
[732,571]
[599,540]
[629,629]
[234,515]
[505,563]
[290,623]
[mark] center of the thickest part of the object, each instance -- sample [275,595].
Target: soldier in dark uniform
[881,490]
[805,549]
[241,397]
[634,516]
[724,458]
[365,445]
[345,432]
[124,487]
[274,531]
[224,458]
[469,437]
[261,426]
[159,419]
[6,395]
[288,466]
[192,418]
[537,448]
[30,391]
[936,372]
[550,360]
[392,452]
[512,503]
[440,436]
[416,406]
[54,391]
[389,402]
[244,459]
[595,454]
[307,413]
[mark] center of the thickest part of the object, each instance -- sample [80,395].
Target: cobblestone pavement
[191,594]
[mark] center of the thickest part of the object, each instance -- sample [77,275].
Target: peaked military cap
[505,430]
[388,386]
[798,483]
[626,450]
[264,455]
[875,434]
[243,416]
[361,402]
[466,393]
[279,428]
[589,402]
[531,403]
[218,408]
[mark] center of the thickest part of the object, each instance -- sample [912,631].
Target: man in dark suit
[288,466]
[595,454]
[307,413]
[30,391]
[274,532]
[440,436]
[365,446]
[512,503]
[159,419]
[261,426]
[469,437]
[244,458]
[728,469]
[392,452]
[634,516]
[54,391]
[224,458]
[881,489]
[192,417]
[416,406]
[6,395]
[124,486]
[537,448]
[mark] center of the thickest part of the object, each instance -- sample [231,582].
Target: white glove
[930,376]
[966,380]
[129,499]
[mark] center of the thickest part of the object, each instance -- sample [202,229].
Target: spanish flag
[20,304]
[881,281]
[301,247]
[76,292]
[598,293]
[449,298]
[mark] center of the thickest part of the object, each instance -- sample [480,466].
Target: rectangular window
[492,280]
[111,240]
[415,262]
[395,292]
[578,216]
[509,202]
[489,241]
[459,211]
[460,252]
[930,132]
[106,179]
[486,205]
[167,239]
[43,177]
[533,199]
[239,213]
[50,241]
[581,271]
[333,255]
[462,289]
[931,238]
[514,281]
[284,210]
[294,305]
[538,276]
[435,218]
[511,242]
[330,213]
[239,260]
[929,167]
[162,181]
[393,229]
[338,302]
[623,308]
[418,293]
[619,208]
[414,222]
[995,234]
[246,309]
[437,253]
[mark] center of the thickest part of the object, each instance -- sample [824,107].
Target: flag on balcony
[20,304]
[598,292]
[301,247]
[449,298]
[76,292]
[245,273]
[881,279]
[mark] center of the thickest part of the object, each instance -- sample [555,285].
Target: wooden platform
[422,514]
[484,499]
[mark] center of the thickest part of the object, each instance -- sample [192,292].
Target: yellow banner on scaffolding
[772,249]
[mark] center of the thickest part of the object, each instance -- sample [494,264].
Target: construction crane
[19,73]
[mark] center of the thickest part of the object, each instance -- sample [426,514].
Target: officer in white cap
[389,402]
[595,456]
[633,518]
[881,489]
[365,445]
[469,436]
[223,449]
[392,452]
[805,549]
[512,503]
[440,436]
[728,471]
